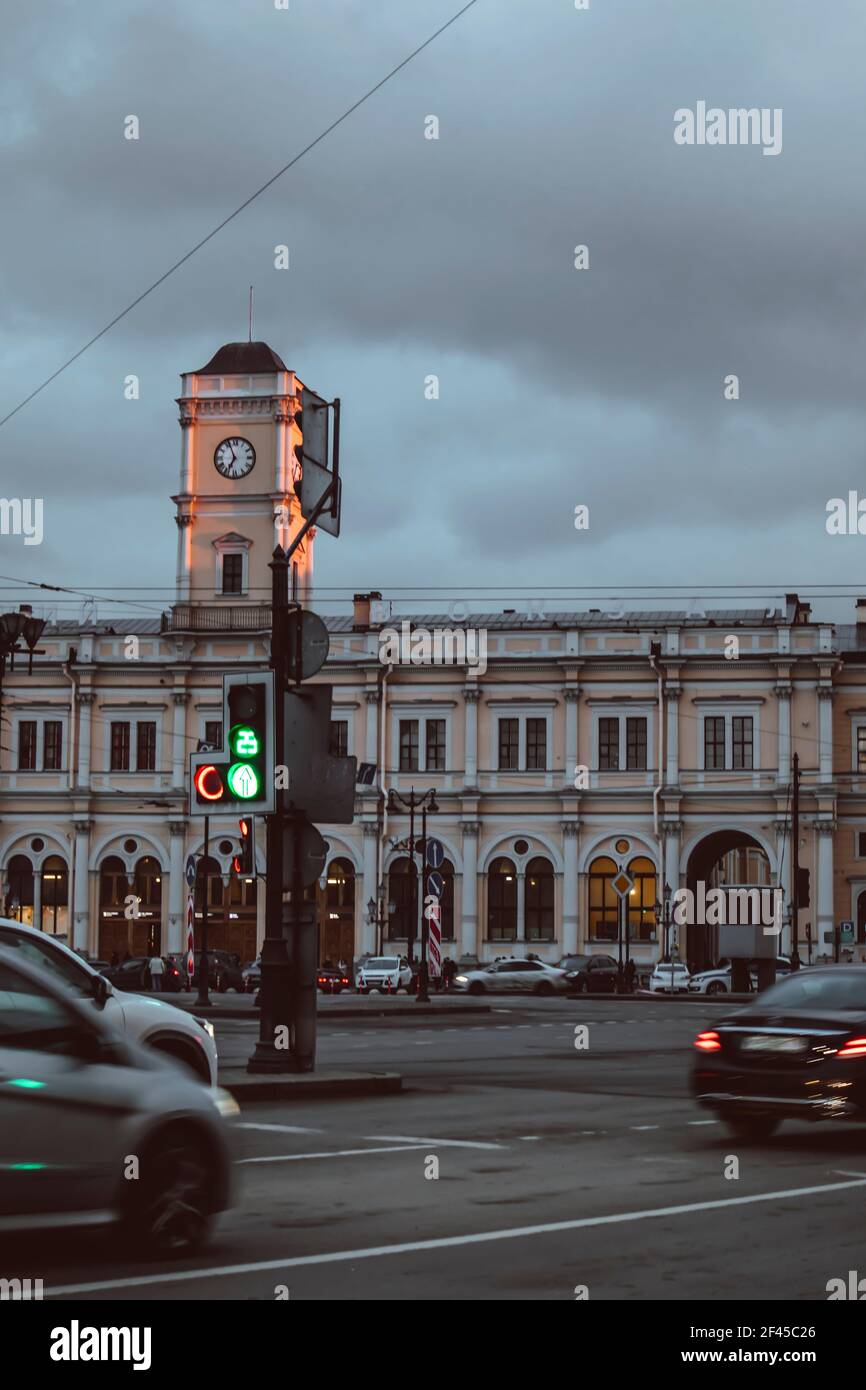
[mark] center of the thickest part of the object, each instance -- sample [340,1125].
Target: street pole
[276,970]
[795,865]
[410,952]
[204,964]
[423,995]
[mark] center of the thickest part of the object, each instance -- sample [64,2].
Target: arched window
[539,900]
[116,933]
[341,885]
[55,896]
[446,902]
[337,914]
[19,899]
[603,901]
[501,901]
[403,893]
[642,900]
[147,887]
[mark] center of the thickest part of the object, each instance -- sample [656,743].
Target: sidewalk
[346,1005]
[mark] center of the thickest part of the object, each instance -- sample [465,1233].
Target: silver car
[512,976]
[96,1131]
[142,1018]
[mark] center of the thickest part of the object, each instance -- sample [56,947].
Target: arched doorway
[117,933]
[603,900]
[501,901]
[20,889]
[403,893]
[231,910]
[336,913]
[147,887]
[724,859]
[539,906]
[55,896]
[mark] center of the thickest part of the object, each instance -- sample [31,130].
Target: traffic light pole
[275,993]
[795,866]
[423,995]
[204,960]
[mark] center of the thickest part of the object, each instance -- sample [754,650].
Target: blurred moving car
[224,972]
[590,974]
[134,974]
[669,977]
[512,976]
[388,974]
[76,1100]
[798,1052]
[145,1019]
[332,981]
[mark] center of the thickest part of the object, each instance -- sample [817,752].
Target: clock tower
[237,479]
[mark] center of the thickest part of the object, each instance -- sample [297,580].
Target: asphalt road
[558,1168]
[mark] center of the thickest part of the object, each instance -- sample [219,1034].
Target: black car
[134,974]
[331,981]
[590,974]
[798,1052]
[224,971]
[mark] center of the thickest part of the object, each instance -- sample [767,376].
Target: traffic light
[245,861]
[803,887]
[241,773]
[321,786]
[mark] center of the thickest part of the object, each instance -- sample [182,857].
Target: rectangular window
[408,745]
[861,844]
[742,742]
[233,574]
[608,745]
[509,743]
[213,732]
[52,747]
[339,745]
[435,741]
[714,743]
[635,744]
[145,752]
[536,744]
[27,745]
[861,749]
[119,746]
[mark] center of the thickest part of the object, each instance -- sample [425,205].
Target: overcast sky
[412,257]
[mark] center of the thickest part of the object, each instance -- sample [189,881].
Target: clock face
[234,458]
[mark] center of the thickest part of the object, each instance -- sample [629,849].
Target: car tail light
[710,1042]
[854,1047]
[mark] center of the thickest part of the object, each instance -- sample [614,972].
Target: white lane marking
[442,1143]
[448,1242]
[644,1127]
[702,1122]
[423,1042]
[280,1129]
[530,1138]
[335,1153]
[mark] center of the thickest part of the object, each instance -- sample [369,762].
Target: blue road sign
[435,884]
[190,870]
[435,854]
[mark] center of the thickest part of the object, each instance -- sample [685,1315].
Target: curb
[374,1011]
[307,1085]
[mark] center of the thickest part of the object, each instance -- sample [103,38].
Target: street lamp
[14,627]
[415,802]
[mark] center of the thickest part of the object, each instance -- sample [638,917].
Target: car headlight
[206,1024]
[225,1103]
[461,979]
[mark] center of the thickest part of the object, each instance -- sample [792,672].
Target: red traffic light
[209,784]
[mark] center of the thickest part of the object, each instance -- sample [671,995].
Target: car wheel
[475,988]
[182,1052]
[716,987]
[171,1203]
[755,1127]
[544,987]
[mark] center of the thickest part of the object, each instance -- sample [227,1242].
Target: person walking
[157,969]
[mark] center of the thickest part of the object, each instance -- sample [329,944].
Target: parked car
[91,1100]
[718,981]
[388,974]
[590,974]
[669,978]
[798,1051]
[252,975]
[141,1018]
[134,974]
[224,971]
[512,976]
[331,981]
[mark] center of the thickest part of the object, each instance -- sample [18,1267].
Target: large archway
[722,859]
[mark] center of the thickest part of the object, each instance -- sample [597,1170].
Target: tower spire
[251,314]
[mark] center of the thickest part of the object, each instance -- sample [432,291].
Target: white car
[513,976]
[719,981]
[140,1018]
[77,1101]
[669,978]
[385,973]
